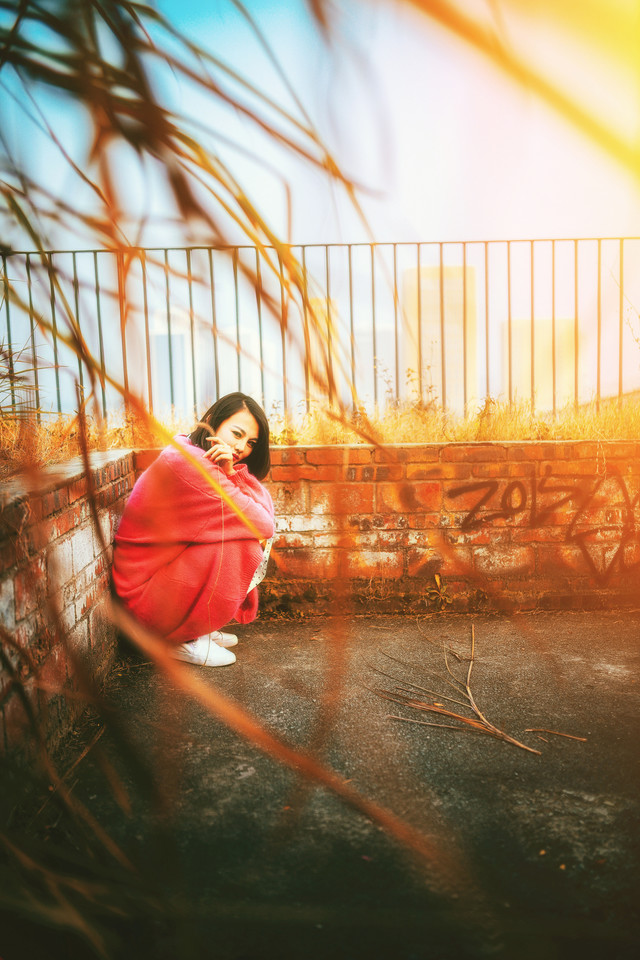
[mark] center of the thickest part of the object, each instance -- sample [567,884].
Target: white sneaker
[204,652]
[223,639]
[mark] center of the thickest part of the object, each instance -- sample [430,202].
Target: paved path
[527,856]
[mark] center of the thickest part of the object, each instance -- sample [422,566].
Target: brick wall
[54,580]
[504,526]
[477,526]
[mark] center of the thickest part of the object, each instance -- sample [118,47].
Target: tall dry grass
[26,442]
[494,421]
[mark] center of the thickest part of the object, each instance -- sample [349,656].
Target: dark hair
[259,461]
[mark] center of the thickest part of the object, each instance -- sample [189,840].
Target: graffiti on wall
[597,512]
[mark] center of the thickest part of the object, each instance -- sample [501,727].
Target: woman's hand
[220,453]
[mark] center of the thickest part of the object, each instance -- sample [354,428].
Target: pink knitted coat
[183,558]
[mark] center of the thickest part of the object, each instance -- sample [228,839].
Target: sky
[445,145]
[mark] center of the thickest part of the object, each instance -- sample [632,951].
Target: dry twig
[556,733]
[402,694]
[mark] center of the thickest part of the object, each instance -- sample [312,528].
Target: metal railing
[547,321]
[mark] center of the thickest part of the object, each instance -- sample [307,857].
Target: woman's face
[240,432]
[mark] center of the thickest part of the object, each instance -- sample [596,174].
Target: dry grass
[608,420]
[28,442]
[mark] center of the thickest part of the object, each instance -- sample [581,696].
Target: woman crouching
[194,539]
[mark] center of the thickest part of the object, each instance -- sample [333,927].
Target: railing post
[123,310]
[7,310]
[147,338]
[169,344]
[191,331]
[533,333]
[620,320]
[599,333]
[443,359]
[214,324]
[32,336]
[553,326]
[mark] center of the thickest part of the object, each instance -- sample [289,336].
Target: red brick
[54,501]
[26,631]
[77,489]
[455,561]
[438,471]
[390,521]
[52,672]
[536,451]
[519,519]
[290,456]
[561,517]
[422,521]
[339,454]
[330,473]
[423,471]
[393,538]
[35,537]
[618,450]
[345,540]
[481,536]
[99,588]
[502,469]
[546,534]
[474,452]
[293,473]
[504,561]
[423,562]
[289,497]
[64,522]
[392,471]
[30,588]
[598,515]
[143,459]
[363,473]
[600,533]
[292,541]
[108,495]
[575,468]
[8,556]
[583,449]
[369,564]
[308,564]
[408,497]
[341,498]
[468,496]
[409,453]
[301,523]
[564,559]
[423,537]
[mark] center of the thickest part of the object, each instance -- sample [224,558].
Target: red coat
[183,559]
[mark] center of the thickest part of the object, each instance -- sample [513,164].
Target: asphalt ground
[509,854]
